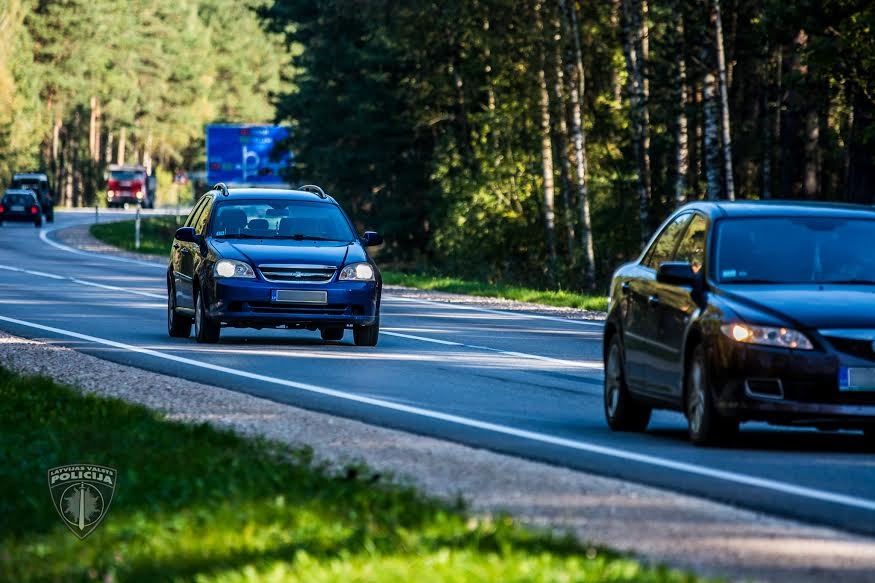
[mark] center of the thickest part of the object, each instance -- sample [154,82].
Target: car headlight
[767,336]
[357,272]
[232,268]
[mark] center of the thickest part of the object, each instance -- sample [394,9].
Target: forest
[529,141]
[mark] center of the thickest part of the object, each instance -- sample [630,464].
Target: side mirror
[372,238]
[677,273]
[186,234]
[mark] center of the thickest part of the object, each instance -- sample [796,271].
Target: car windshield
[125,175]
[280,219]
[795,250]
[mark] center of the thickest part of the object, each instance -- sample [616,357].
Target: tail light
[34,210]
[2,209]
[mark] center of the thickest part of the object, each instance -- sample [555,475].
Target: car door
[182,258]
[638,293]
[672,308]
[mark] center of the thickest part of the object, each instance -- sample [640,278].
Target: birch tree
[724,102]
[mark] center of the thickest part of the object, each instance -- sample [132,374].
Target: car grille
[298,273]
[271,308]
[858,348]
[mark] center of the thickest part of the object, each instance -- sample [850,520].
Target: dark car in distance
[21,205]
[39,183]
[264,258]
[742,311]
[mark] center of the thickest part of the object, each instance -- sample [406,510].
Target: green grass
[194,503]
[156,234]
[564,299]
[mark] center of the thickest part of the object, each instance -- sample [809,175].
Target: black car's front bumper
[247,303]
[788,387]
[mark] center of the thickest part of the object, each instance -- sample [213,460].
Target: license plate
[17,208]
[856,379]
[294,296]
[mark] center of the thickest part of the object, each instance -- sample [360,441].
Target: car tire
[622,412]
[38,224]
[332,334]
[50,218]
[206,331]
[869,437]
[178,326]
[366,335]
[705,425]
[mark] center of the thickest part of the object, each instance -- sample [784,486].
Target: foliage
[196,503]
[83,76]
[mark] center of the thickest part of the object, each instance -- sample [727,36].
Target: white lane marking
[37,273]
[116,288]
[44,237]
[83,282]
[574,363]
[732,477]
[499,312]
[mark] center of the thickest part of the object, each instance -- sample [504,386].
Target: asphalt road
[516,383]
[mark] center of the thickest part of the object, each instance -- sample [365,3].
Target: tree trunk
[546,153]
[577,87]
[811,176]
[682,152]
[633,31]
[724,104]
[562,146]
[712,139]
[122,138]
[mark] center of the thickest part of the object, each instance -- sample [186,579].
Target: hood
[810,306]
[335,253]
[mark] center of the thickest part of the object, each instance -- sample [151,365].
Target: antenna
[314,189]
[222,187]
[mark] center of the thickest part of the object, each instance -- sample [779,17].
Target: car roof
[20,191]
[37,175]
[780,208]
[273,194]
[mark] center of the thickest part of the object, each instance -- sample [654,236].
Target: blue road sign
[243,154]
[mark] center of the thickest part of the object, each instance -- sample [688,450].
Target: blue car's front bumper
[248,303]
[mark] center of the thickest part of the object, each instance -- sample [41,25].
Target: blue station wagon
[266,258]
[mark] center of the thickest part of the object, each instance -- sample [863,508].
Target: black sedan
[260,258]
[742,311]
[21,205]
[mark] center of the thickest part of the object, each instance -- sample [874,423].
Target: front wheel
[705,425]
[622,412]
[366,335]
[205,330]
[178,326]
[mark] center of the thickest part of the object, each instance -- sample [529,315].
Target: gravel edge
[655,525]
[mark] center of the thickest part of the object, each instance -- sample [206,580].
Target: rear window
[16,199]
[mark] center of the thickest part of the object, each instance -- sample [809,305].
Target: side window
[692,246]
[202,220]
[663,247]
[195,212]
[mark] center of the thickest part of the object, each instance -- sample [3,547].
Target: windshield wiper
[755,281]
[238,236]
[300,237]
[849,281]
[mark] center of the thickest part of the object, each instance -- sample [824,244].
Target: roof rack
[314,189]
[222,187]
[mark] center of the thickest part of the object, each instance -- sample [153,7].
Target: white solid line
[598,323]
[732,477]
[574,363]
[44,237]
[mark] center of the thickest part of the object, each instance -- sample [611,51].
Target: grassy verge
[564,299]
[196,503]
[157,232]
